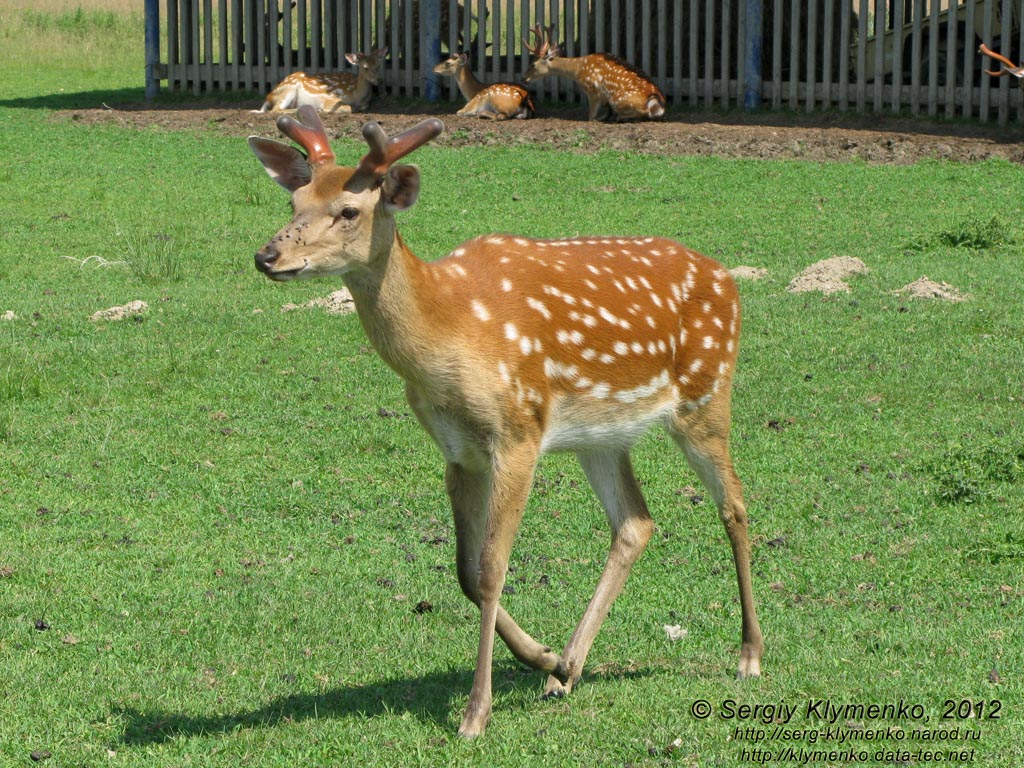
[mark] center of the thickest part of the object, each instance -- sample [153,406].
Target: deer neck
[391,296]
[468,83]
[362,87]
[571,68]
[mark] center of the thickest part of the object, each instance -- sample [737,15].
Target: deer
[512,347]
[615,90]
[1005,65]
[334,92]
[497,101]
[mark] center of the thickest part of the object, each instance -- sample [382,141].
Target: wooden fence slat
[810,75]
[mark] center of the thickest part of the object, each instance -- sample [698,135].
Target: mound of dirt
[749,273]
[131,309]
[925,288]
[828,276]
[337,303]
[769,135]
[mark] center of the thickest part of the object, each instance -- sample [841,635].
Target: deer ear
[352,58]
[401,188]
[285,164]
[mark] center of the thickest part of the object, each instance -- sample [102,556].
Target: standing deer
[513,347]
[498,101]
[615,90]
[332,91]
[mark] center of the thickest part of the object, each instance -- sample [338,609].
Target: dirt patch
[925,288]
[131,309]
[749,273]
[769,135]
[338,303]
[828,276]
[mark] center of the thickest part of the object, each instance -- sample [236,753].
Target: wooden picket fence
[915,57]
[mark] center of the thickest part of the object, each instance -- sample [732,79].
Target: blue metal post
[752,77]
[430,56]
[152,38]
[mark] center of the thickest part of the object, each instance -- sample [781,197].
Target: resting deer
[1005,65]
[331,91]
[498,101]
[512,347]
[615,90]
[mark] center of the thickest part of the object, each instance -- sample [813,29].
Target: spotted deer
[336,92]
[511,347]
[497,101]
[615,90]
[1005,65]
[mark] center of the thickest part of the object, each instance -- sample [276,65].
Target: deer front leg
[611,476]
[597,106]
[488,507]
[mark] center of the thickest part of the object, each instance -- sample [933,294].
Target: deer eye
[348,213]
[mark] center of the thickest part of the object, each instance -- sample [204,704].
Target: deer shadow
[429,698]
[432,698]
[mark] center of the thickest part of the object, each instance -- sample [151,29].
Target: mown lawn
[217,519]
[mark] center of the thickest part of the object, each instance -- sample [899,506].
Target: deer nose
[265,258]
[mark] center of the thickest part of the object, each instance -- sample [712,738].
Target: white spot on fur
[652,387]
[538,305]
[480,310]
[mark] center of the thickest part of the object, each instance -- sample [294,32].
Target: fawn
[615,90]
[497,101]
[331,91]
[511,347]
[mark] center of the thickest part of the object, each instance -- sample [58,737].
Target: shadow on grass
[431,698]
[131,99]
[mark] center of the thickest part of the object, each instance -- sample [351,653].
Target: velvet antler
[544,37]
[384,151]
[1008,66]
[308,132]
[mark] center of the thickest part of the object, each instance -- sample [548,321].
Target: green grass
[216,521]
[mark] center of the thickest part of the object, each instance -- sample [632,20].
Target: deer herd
[614,89]
[511,347]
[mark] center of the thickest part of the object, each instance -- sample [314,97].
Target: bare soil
[768,135]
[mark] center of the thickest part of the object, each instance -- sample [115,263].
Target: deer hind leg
[488,506]
[703,436]
[610,474]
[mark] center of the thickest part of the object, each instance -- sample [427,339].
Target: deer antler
[543,45]
[384,151]
[1008,66]
[308,132]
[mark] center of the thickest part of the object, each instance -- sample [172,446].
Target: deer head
[452,65]
[369,64]
[343,217]
[542,52]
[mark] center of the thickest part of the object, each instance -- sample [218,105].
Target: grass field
[217,519]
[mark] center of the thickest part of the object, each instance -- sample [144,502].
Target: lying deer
[512,347]
[332,91]
[615,90]
[1005,65]
[498,101]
